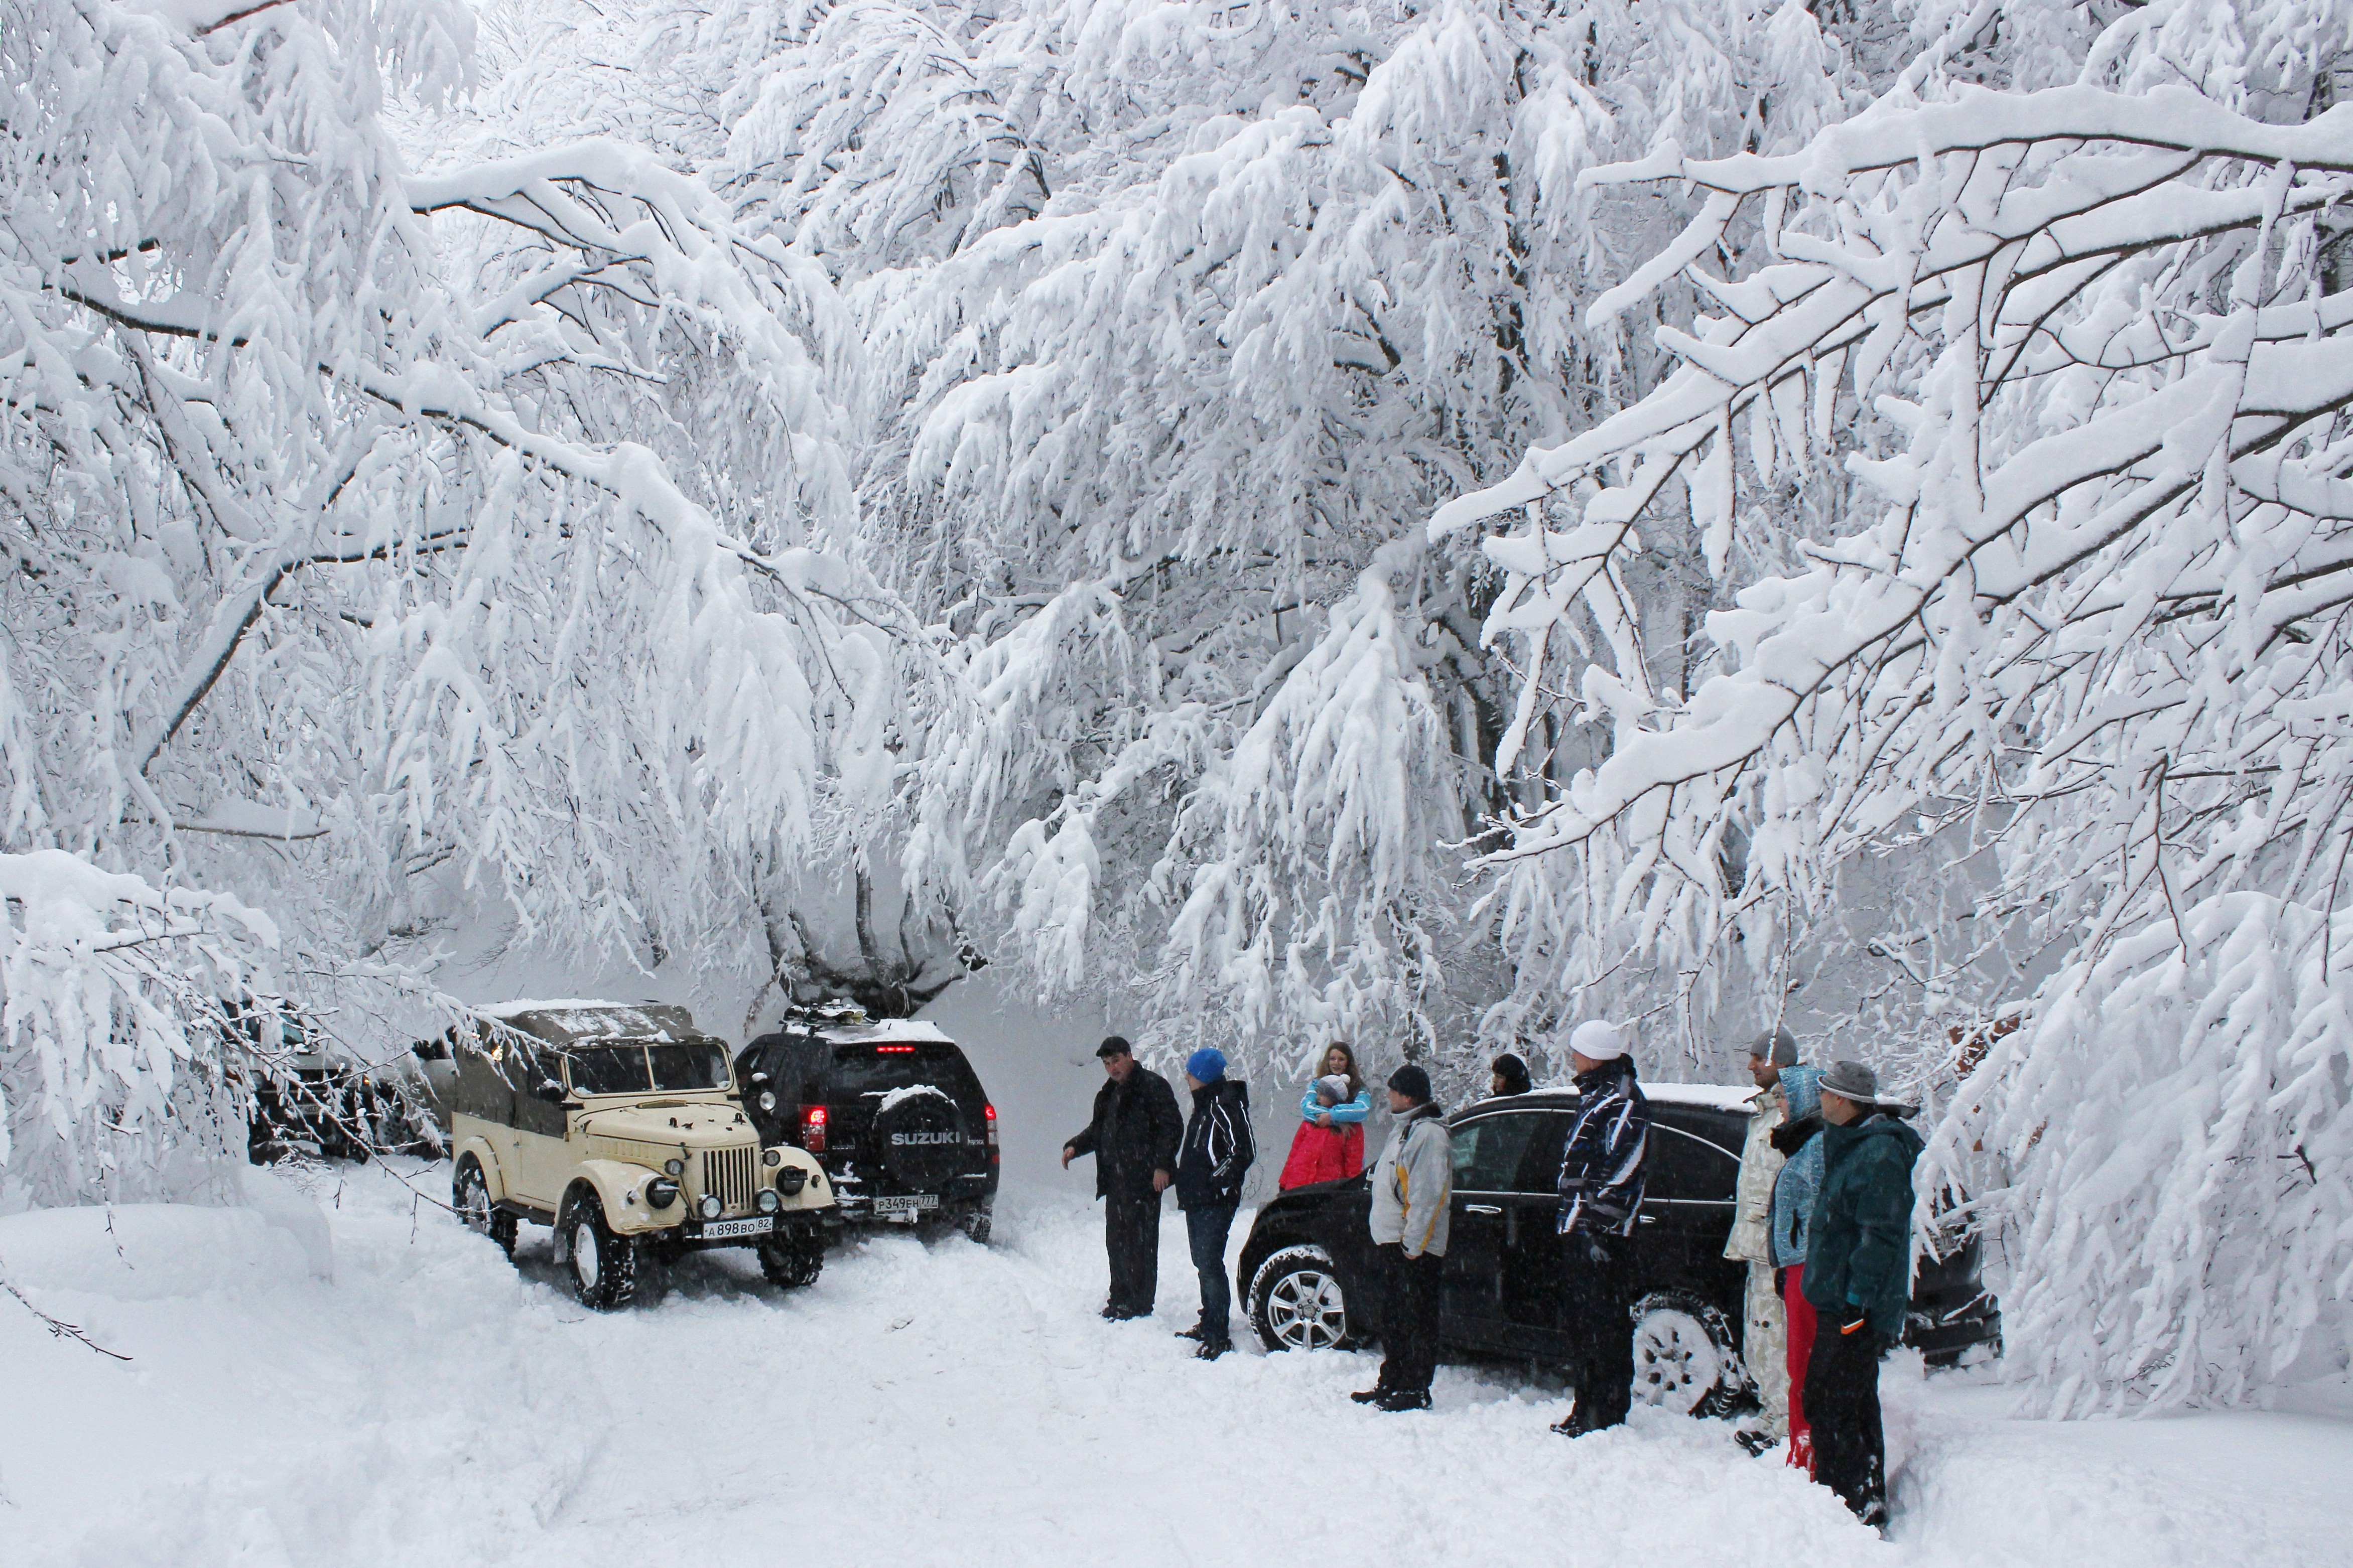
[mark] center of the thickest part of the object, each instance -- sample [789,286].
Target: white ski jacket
[1413,1185]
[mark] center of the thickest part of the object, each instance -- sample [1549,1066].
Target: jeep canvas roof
[562,1022]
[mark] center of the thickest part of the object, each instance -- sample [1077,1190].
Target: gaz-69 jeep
[619,1126]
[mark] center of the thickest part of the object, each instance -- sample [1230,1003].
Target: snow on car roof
[509,1009]
[1715,1097]
[916,1030]
[1722,1097]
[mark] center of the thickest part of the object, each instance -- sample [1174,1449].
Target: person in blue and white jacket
[1330,1144]
[1212,1161]
[1601,1175]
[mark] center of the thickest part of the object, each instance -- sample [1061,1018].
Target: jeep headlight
[660,1192]
[769,1202]
[675,1167]
[711,1205]
[790,1179]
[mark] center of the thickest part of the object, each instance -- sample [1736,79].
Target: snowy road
[955,1404]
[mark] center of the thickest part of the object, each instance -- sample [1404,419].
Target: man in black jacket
[1601,1176]
[1216,1155]
[1133,1138]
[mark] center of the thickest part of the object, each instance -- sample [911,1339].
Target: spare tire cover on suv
[919,1136]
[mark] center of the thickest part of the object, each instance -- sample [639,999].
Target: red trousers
[1802,1350]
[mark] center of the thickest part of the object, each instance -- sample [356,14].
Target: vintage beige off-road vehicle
[618,1125]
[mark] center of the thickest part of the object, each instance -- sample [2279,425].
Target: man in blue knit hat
[1210,1165]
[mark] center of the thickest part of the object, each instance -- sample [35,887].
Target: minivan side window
[1487,1151]
[1682,1167]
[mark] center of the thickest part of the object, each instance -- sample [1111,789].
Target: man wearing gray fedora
[1858,1276]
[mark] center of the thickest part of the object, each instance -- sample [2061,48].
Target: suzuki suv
[619,1126]
[890,1108]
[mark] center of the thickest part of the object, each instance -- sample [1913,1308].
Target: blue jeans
[1206,1230]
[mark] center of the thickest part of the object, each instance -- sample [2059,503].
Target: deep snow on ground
[940,1403]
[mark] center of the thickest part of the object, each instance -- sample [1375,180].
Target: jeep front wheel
[603,1265]
[791,1265]
[471,1196]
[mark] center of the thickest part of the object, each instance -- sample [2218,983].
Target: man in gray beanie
[1763,1344]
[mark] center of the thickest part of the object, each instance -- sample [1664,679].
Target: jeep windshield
[632,1066]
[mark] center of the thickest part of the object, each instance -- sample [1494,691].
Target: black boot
[1212,1349]
[1372,1395]
[1196,1332]
[1403,1399]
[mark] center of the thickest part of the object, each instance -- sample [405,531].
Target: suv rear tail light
[989,1114]
[813,1129]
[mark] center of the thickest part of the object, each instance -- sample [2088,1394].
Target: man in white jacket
[1413,1189]
[1765,1342]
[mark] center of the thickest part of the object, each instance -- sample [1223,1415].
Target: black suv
[890,1108]
[1307,1278]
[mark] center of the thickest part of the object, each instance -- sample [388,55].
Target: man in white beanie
[1602,1170]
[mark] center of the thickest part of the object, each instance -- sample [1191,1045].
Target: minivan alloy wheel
[1297,1302]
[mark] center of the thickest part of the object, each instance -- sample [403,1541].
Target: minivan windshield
[631,1067]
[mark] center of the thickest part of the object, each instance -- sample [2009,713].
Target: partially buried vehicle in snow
[619,1126]
[889,1105]
[1309,1282]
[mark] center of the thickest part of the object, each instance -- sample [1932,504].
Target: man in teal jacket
[1859,1277]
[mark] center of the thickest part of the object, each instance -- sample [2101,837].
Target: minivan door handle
[1482,1208]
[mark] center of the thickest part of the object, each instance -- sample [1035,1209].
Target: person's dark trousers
[1206,1230]
[1597,1317]
[1842,1409]
[1410,1331]
[1132,1238]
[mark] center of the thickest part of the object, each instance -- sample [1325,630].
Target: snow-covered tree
[2078,657]
[364,525]
[1176,320]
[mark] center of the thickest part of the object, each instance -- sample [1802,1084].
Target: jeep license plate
[908,1205]
[720,1229]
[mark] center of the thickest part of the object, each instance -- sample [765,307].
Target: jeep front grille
[734,1175]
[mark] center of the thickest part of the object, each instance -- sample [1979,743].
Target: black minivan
[1307,1269]
[889,1106]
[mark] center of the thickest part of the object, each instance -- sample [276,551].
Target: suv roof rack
[832,1010]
